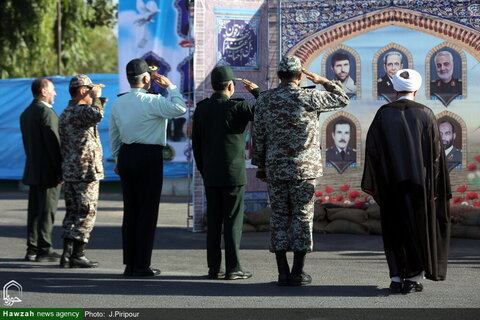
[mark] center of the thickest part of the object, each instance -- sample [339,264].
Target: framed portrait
[386,62]
[451,134]
[341,142]
[446,72]
[343,64]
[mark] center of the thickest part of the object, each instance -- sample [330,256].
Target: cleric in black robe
[405,172]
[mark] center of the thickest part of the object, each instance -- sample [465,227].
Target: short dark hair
[288,75]
[339,56]
[220,86]
[450,123]
[38,85]
[341,121]
[73,91]
[135,80]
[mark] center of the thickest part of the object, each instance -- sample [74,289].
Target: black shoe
[215,274]
[145,272]
[82,262]
[395,287]
[67,253]
[238,275]
[411,286]
[48,257]
[301,279]
[283,279]
[128,271]
[30,257]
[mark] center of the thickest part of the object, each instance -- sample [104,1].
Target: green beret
[221,74]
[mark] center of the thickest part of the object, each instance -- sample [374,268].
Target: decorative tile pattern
[301,19]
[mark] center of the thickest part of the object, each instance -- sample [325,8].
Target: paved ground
[348,271]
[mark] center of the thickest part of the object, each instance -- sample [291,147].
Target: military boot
[78,258]
[67,253]
[298,277]
[283,268]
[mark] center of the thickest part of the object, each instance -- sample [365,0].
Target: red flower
[318,193]
[462,189]
[457,200]
[345,188]
[476,204]
[328,189]
[472,167]
[360,204]
[340,198]
[353,195]
[477,158]
[471,196]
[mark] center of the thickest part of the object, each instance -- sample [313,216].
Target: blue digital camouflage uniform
[82,166]
[286,139]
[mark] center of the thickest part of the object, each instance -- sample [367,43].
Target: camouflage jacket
[80,142]
[286,134]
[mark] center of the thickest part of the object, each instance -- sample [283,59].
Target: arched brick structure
[452,32]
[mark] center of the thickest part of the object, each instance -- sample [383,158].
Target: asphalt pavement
[348,271]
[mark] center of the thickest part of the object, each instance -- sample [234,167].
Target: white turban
[407,80]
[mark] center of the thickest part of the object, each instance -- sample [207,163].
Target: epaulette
[121,94]
[238,99]
[379,80]
[309,87]
[202,101]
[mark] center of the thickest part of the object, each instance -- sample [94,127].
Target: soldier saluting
[287,151]
[218,143]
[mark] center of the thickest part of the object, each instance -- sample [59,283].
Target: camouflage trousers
[291,222]
[81,209]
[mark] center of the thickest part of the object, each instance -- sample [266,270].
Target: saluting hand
[315,78]
[249,85]
[96,92]
[161,80]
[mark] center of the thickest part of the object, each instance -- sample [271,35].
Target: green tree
[28,37]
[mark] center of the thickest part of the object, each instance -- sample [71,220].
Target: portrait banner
[160,32]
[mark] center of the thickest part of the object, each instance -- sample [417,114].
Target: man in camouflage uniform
[82,168]
[287,153]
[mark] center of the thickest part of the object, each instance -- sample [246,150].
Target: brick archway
[452,32]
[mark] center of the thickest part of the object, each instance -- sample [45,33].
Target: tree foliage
[28,37]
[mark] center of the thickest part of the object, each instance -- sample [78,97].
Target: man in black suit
[39,126]
[218,142]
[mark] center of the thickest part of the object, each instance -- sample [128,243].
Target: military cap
[81,80]
[137,67]
[290,64]
[221,74]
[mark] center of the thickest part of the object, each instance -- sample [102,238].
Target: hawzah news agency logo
[9,290]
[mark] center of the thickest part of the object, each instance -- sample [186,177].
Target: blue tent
[16,95]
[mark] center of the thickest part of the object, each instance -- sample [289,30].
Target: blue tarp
[16,95]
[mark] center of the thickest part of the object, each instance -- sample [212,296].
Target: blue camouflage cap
[290,64]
